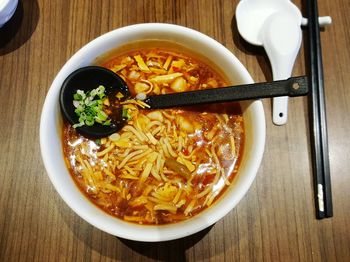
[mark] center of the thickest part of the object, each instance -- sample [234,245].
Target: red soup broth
[167,165]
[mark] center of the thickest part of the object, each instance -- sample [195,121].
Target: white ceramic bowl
[51,128]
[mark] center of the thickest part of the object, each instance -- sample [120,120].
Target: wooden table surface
[275,221]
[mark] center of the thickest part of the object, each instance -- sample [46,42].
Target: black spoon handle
[294,86]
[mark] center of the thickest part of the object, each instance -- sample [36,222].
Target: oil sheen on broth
[164,166]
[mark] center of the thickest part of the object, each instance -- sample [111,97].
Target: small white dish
[7,9]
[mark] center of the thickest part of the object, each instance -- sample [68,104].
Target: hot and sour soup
[164,166]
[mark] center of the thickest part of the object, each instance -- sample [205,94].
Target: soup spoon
[89,78]
[275,25]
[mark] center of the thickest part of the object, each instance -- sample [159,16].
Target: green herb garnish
[125,114]
[89,107]
[98,141]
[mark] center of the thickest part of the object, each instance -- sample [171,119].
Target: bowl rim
[148,233]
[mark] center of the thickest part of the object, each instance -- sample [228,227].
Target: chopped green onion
[107,122]
[89,107]
[98,142]
[125,114]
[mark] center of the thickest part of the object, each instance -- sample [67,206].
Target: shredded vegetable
[162,166]
[89,107]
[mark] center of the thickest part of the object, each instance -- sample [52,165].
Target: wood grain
[276,219]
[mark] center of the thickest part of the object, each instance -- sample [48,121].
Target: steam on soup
[164,166]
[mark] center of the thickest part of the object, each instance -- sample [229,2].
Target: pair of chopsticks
[318,122]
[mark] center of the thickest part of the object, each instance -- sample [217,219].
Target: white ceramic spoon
[275,25]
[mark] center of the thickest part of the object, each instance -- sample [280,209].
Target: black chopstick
[318,122]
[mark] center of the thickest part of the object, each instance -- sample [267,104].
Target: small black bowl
[86,79]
